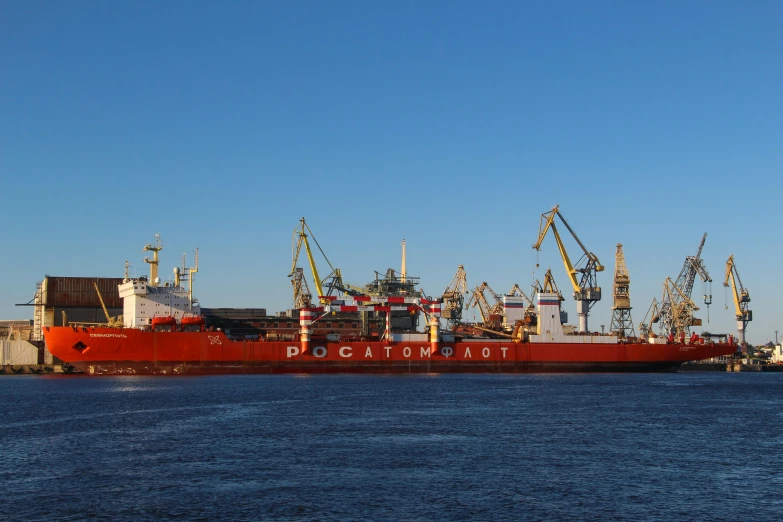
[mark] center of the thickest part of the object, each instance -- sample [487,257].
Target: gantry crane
[586,289]
[454,297]
[675,316]
[741,299]
[622,324]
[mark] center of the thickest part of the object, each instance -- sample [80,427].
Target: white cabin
[142,302]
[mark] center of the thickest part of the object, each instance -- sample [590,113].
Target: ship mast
[403,261]
[154,280]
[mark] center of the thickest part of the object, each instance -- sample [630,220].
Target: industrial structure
[741,299]
[586,289]
[675,312]
[622,324]
[454,297]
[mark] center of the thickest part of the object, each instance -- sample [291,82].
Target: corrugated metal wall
[80,291]
[83,315]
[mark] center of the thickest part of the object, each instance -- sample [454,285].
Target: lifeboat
[164,320]
[192,320]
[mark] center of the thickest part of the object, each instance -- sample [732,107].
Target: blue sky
[454,125]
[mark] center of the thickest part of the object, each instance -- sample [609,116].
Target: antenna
[403,261]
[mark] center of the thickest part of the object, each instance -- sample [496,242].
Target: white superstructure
[142,302]
[550,328]
[144,299]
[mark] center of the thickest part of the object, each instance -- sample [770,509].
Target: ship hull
[112,351]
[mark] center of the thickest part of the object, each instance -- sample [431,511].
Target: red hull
[130,351]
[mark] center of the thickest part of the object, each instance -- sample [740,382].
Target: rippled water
[449,447]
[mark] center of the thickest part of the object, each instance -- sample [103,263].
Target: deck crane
[486,310]
[676,308]
[645,327]
[741,299]
[586,289]
[335,277]
[497,308]
[112,322]
[454,297]
[549,285]
[517,292]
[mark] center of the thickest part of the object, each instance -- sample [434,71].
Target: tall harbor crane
[586,289]
[622,324]
[675,316]
[335,277]
[741,299]
[454,297]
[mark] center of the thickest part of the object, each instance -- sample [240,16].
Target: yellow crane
[583,279]
[454,297]
[741,299]
[490,314]
[113,322]
[477,298]
[299,239]
[645,327]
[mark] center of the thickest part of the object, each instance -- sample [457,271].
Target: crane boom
[110,321]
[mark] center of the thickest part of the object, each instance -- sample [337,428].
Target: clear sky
[451,124]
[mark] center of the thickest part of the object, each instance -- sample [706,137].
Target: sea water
[674,446]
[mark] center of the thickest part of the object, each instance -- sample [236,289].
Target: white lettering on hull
[121,336]
[425,352]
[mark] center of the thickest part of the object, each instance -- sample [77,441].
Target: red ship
[162,332]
